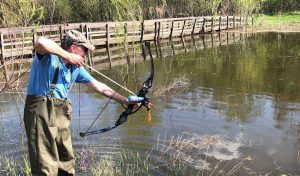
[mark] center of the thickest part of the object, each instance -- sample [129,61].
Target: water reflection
[241,104]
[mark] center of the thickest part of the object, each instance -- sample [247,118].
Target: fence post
[34,37]
[233,19]
[107,34]
[107,43]
[125,32]
[81,28]
[126,44]
[142,31]
[86,31]
[241,21]
[220,39]
[252,21]
[212,24]
[88,37]
[158,30]
[171,32]
[2,48]
[2,59]
[220,23]
[227,25]
[60,33]
[155,30]
[203,25]
[182,31]
[194,26]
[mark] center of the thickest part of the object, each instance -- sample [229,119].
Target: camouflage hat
[80,39]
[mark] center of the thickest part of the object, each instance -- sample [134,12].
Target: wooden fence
[160,49]
[18,42]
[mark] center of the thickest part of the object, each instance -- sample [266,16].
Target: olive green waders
[47,121]
[49,140]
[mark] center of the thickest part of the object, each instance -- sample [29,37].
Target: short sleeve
[83,76]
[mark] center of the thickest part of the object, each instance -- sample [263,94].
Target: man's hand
[132,99]
[75,59]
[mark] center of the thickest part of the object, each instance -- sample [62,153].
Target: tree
[247,7]
[20,12]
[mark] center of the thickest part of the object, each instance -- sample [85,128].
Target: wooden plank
[15,52]
[13,44]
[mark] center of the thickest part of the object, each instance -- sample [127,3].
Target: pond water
[230,109]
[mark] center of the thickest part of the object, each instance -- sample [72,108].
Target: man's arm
[104,90]
[46,46]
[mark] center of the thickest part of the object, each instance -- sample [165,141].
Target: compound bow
[130,108]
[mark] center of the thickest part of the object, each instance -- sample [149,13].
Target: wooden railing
[18,42]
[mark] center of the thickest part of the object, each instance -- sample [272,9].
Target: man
[47,112]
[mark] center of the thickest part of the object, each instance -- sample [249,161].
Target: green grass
[282,22]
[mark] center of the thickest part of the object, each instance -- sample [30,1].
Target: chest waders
[47,121]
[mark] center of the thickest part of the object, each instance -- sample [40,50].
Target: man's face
[79,50]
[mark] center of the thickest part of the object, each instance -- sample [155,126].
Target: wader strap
[55,78]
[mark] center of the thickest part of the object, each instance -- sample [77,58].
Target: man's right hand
[75,59]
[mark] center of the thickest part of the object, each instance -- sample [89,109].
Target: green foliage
[56,11]
[30,12]
[121,10]
[246,7]
[105,10]
[20,12]
[279,6]
[193,7]
[84,10]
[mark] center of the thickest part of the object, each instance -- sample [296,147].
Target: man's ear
[72,48]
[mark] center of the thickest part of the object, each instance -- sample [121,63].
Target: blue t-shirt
[42,73]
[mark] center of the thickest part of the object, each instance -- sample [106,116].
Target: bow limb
[121,120]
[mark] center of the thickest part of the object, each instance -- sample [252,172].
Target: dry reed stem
[177,85]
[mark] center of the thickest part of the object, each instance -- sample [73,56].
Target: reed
[185,154]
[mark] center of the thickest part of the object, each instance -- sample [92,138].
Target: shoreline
[276,30]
